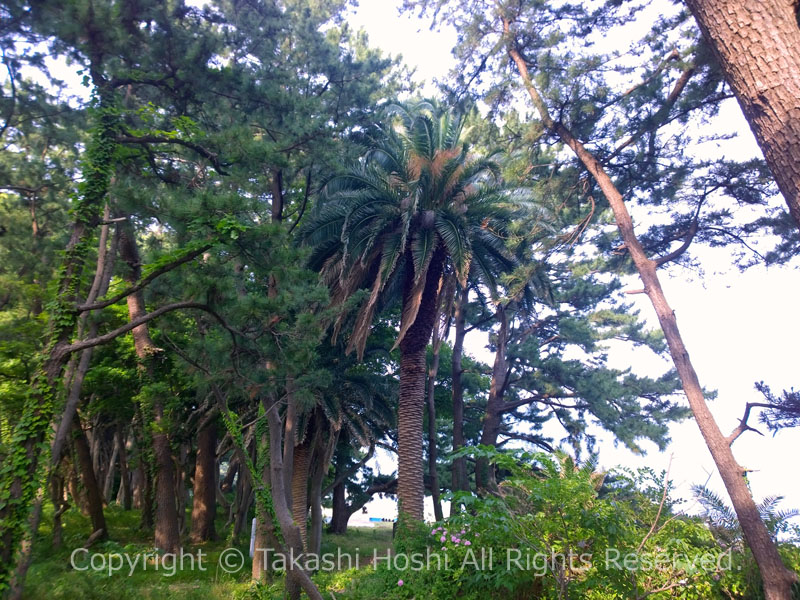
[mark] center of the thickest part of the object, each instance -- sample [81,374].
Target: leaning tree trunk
[756,43]
[776,578]
[410,480]
[20,480]
[204,503]
[459,482]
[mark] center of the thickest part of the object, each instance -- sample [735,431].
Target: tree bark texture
[300,489]
[410,471]
[756,43]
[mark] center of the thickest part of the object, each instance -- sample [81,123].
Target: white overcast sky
[739,327]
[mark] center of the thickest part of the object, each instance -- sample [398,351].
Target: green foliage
[557,529]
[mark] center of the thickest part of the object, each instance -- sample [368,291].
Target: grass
[53,576]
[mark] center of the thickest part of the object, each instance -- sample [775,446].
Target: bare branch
[743,426]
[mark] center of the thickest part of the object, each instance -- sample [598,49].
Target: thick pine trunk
[460,482]
[204,503]
[776,578]
[297,578]
[756,43]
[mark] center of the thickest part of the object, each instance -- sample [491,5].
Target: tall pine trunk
[167,531]
[757,44]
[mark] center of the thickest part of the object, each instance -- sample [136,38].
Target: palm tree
[416,206]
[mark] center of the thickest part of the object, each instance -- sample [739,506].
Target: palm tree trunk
[459,482]
[410,484]
[300,489]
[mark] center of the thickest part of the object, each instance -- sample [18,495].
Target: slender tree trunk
[182,486]
[204,503]
[90,486]
[484,472]
[111,472]
[124,474]
[459,482]
[756,43]
[59,504]
[265,538]
[230,475]
[73,378]
[776,578]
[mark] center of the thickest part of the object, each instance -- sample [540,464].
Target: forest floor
[126,568]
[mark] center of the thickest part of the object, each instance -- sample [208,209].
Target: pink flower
[443,538]
[443,548]
[400,582]
[468,543]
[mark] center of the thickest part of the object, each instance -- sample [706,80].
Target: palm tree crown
[416,207]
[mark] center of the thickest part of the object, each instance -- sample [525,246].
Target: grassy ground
[56,574]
